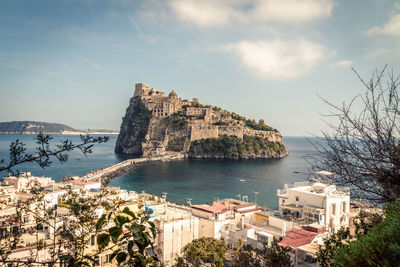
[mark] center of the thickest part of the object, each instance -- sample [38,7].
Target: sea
[183,181]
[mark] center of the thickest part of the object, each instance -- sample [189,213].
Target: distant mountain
[35,127]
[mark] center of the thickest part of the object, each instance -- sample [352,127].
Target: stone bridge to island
[125,166]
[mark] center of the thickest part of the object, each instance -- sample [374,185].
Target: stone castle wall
[198,132]
[231,130]
[271,136]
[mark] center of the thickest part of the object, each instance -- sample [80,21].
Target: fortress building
[160,104]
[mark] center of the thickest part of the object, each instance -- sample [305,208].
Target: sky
[76,61]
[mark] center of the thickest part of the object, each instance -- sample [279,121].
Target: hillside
[35,127]
[156,124]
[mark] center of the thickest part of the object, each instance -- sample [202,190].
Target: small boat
[243,180]
[78,158]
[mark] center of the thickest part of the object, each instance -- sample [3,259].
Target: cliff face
[134,128]
[143,134]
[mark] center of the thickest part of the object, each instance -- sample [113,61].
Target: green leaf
[121,220]
[130,246]
[115,232]
[121,257]
[115,253]
[100,222]
[126,210]
[103,240]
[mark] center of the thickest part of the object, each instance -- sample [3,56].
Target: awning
[291,207]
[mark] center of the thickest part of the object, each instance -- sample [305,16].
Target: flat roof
[214,208]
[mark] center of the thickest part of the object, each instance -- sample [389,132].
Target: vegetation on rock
[259,126]
[233,148]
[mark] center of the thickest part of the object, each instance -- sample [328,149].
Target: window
[26,219]
[283,201]
[343,207]
[297,198]
[107,258]
[96,261]
[92,240]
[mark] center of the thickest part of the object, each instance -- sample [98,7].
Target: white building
[176,227]
[25,182]
[315,202]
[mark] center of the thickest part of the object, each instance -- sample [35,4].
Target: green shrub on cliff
[231,147]
[176,144]
[177,123]
[259,126]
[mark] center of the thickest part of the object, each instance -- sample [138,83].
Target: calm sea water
[199,180]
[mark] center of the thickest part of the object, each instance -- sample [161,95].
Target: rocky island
[156,124]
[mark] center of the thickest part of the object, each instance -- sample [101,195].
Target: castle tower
[141,89]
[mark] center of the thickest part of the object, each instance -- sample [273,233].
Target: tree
[11,227]
[362,146]
[245,255]
[380,246]
[201,251]
[73,223]
[126,235]
[276,255]
[327,251]
[44,152]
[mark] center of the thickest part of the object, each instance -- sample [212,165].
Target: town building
[25,182]
[315,202]
[176,227]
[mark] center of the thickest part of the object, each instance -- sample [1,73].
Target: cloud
[292,11]
[391,28]
[215,13]
[84,59]
[204,13]
[278,59]
[341,64]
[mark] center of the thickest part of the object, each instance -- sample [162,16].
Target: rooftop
[298,237]
[214,208]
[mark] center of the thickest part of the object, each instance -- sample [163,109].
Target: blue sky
[76,61]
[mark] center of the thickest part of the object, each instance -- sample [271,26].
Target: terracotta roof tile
[298,237]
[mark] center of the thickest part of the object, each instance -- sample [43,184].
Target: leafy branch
[44,153]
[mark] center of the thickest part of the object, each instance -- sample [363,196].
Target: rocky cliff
[229,136]
[134,128]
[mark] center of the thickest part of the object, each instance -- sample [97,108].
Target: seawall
[120,168]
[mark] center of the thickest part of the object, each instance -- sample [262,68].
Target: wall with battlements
[231,130]
[271,136]
[199,132]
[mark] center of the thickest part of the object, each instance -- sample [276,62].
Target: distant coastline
[35,127]
[60,133]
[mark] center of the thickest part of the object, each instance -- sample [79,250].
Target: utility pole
[255,197]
